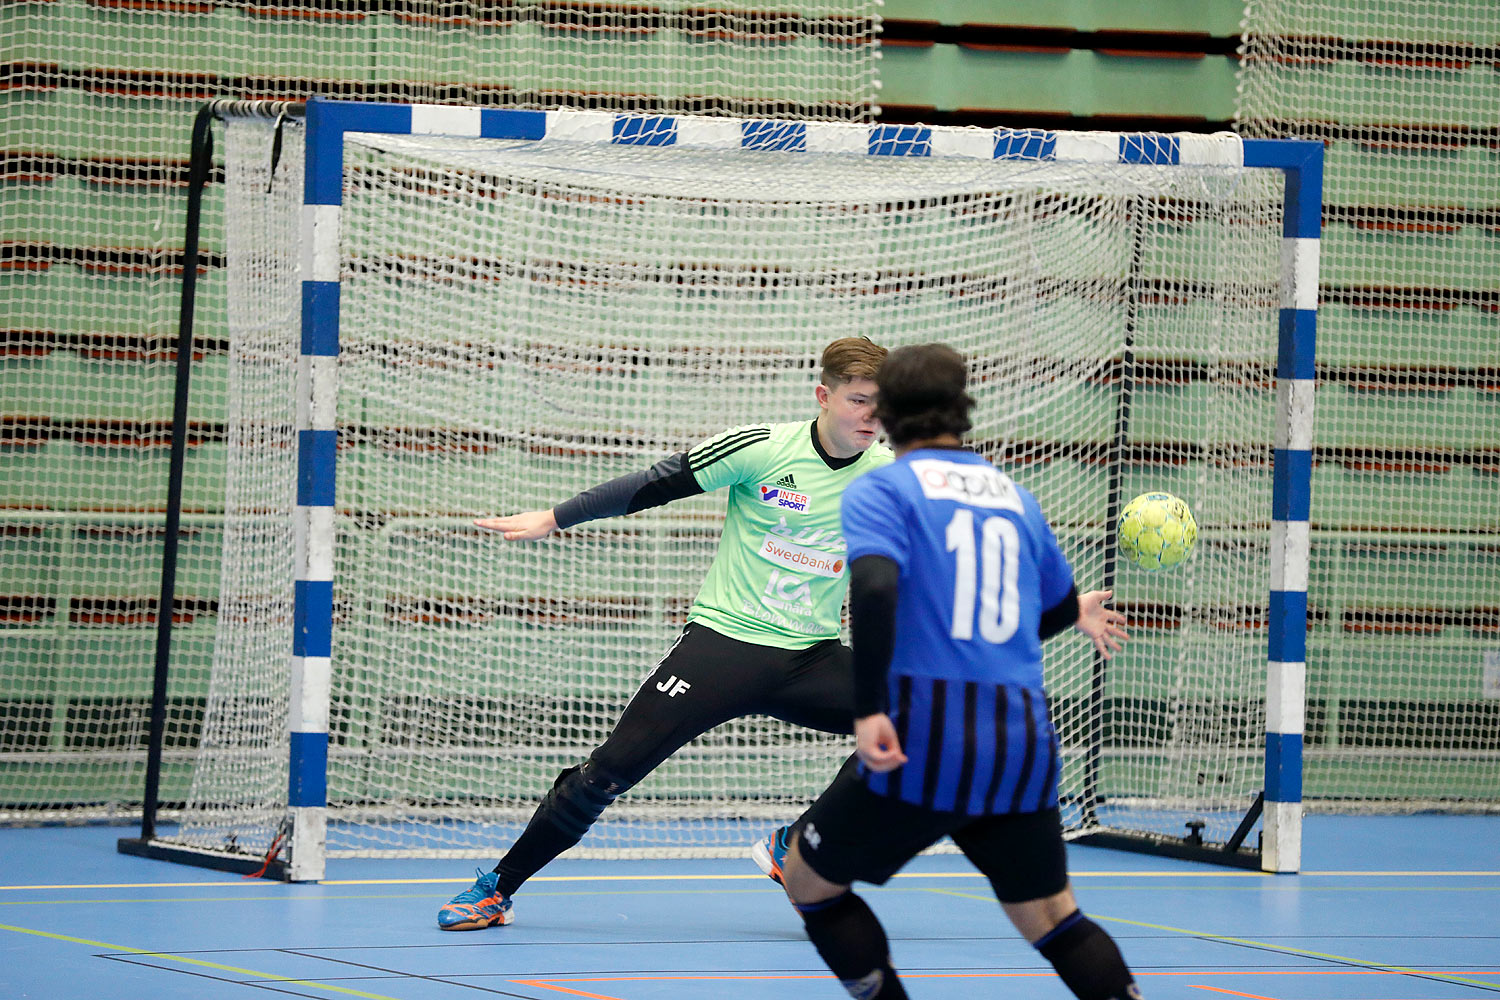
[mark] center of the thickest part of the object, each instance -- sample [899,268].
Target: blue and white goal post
[1286,667]
[328,123]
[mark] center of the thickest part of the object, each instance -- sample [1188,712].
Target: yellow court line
[1361,963]
[702,877]
[757,877]
[689,877]
[132,885]
[198,962]
[1402,874]
[708,877]
[1283,949]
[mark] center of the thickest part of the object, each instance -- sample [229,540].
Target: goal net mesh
[521,320]
[98,104]
[1403,658]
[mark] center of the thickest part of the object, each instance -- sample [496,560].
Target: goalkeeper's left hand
[524,527]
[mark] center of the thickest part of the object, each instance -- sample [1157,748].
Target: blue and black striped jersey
[978,564]
[971,747]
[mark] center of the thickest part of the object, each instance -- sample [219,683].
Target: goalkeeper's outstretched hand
[524,527]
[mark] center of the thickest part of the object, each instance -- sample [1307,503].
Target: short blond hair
[849,358]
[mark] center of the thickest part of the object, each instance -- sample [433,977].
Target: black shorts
[707,678]
[850,834]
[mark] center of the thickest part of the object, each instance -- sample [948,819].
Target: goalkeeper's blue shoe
[479,906]
[770,854]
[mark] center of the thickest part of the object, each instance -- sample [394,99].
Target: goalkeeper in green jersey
[762,637]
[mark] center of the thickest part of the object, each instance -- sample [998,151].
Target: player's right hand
[524,527]
[877,744]
[1104,626]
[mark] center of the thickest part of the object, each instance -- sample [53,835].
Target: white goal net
[521,320]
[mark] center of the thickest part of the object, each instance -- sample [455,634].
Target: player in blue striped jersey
[956,578]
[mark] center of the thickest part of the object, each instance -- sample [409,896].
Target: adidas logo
[787,482]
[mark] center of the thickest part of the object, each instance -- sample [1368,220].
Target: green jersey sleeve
[735,456]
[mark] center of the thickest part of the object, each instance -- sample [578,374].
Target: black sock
[1087,960]
[853,944]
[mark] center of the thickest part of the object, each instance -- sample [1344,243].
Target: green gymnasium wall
[1129,64]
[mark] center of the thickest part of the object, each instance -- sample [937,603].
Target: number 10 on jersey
[990,573]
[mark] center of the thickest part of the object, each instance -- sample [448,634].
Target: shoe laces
[483,887]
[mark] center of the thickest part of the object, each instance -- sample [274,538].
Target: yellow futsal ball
[1156,530]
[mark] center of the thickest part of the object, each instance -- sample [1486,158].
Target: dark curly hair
[922,393]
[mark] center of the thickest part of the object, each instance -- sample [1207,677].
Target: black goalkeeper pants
[705,679]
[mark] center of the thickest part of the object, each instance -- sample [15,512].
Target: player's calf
[1087,960]
[854,946]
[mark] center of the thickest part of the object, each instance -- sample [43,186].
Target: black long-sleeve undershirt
[667,480]
[673,477]
[873,588]
[1060,616]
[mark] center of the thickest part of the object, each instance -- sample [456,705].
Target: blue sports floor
[1389,908]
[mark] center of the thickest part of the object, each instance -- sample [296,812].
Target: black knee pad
[579,795]
[602,780]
